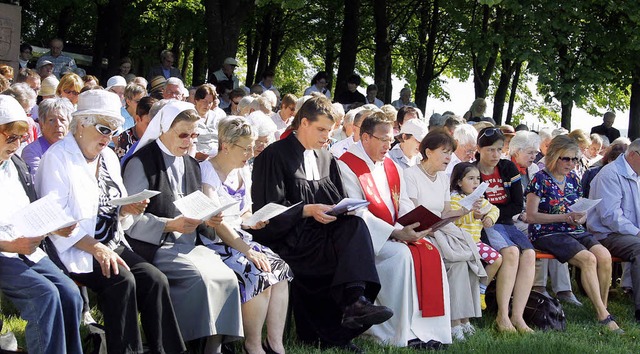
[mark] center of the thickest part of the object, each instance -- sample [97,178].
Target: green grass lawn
[583,334]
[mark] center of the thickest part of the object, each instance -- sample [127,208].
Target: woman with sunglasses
[204,290]
[85,176]
[515,277]
[69,87]
[263,274]
[555,229]
[47,299]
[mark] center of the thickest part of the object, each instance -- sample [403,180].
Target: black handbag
[544,312]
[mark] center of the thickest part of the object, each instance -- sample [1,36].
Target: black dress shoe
[267,347]
[349,347]
[638,316]
[363,313]
[417,344]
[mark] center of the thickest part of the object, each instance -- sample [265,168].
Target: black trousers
[143,288]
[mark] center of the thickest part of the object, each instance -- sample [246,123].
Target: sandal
[608,320]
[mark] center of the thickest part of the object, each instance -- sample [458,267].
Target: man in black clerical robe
[332,258]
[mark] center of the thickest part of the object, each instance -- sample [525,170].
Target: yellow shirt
[468,222]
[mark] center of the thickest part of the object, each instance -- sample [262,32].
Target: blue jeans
[48,300]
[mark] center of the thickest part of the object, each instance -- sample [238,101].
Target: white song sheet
[41,217]
[198,206]
[135,198]
[583,205]
[467,202]
[267,212]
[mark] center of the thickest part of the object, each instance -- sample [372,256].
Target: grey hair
[271,97]
[524,140]
[350,115]
[545,134]
[338,109]
[605,141]
[244,106]
[559,131]
[596,138]
[301,101]
[465,134]
[55,105]
[174,81]
[362,114]
[261,103]
[92,119]
[233,128]
[23,93]
[634,146]
[132,90]
[621,140]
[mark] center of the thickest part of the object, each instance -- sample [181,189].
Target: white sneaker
[457,333]
[468,328]
[87,319]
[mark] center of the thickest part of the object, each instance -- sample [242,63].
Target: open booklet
[426,218]
[134,198]
[267,212]
[198,206]
[346,205]
[583,205]
[41,217]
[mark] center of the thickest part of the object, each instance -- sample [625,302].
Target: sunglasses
[490,132]
[13,137]
[104,130]
[187,135]
[567,159]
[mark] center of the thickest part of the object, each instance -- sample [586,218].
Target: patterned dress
[252,280]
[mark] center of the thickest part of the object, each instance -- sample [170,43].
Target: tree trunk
[199,63]
[567,106]
[277,35]
[634,106]
[429,23]
[223,21]
[253,48]
[348,44]
[99,40]
[482,71]
[265,39]
[514,90]
[501,90]
[382,57]
[65,18]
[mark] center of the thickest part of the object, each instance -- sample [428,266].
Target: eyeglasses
[104,130]
[10,138]
[386,141]
[568,158]
[71,92]
[261,142]
[245,150]
[187,135]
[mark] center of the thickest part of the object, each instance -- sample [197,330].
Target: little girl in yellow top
[465,178]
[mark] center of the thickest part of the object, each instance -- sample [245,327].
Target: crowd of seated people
[188,284]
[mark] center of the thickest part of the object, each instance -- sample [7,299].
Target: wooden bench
[544,255]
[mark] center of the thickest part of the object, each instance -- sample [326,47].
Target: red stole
[426,258]
[377,206]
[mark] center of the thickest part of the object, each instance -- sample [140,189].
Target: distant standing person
[226,73]
[26,53]
[59,61]
[319,84]
[372,92]
[405,99]
[606,128]
[166,68]
[125,69]
[351,95]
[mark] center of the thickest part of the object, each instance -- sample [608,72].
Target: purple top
[32,153]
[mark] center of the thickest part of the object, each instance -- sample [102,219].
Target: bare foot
[521,326]
[505,325]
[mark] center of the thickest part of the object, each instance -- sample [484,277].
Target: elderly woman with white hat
[204,290]
[407,154]
[48,300]
[85,176]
